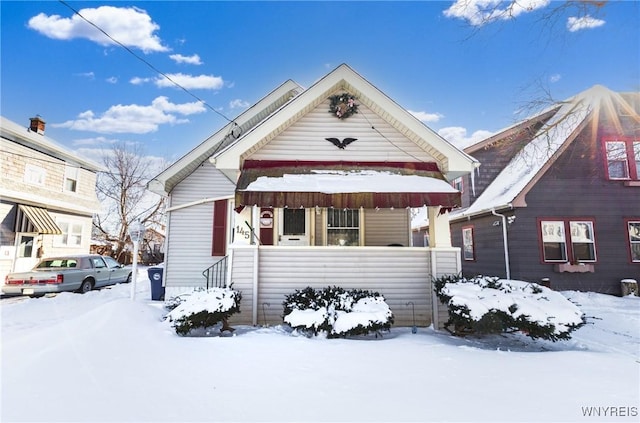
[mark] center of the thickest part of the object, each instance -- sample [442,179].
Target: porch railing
[216,274]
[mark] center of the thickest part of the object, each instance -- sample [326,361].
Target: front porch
[265,274]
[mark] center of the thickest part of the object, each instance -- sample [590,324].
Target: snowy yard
[101,357]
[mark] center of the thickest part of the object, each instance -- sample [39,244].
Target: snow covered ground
[101,357]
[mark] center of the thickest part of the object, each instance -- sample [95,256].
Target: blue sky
[461,78]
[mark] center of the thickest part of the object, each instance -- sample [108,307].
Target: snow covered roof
[344,184]
[567,120]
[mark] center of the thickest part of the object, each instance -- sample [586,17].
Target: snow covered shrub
[336,312]
[203,308]
[485,305]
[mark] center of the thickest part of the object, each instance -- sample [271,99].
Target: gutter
[504,241]
[198,202]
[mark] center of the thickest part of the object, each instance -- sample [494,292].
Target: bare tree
[124,197]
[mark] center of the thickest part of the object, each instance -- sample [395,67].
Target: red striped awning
[343,185]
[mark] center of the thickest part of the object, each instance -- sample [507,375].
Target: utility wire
[143,60]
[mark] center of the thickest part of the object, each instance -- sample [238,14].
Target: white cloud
[457,136]
[204,82]
[134,118]
[88,75]
[480,12]
[586,22]
[238,104]
[112,80]
[427,117]
[191,60]
[136,80]
[555,78]
[131,26]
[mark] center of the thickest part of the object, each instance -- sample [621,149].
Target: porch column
[439,232]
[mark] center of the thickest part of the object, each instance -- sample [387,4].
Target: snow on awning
[344,185]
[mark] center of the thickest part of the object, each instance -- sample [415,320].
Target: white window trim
[34,175]
[325,225]
[69,223]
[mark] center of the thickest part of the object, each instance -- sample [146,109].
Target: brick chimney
[37,125]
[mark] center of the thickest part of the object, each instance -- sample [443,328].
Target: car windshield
[57,262]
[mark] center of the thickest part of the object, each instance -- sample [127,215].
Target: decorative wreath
[343,105]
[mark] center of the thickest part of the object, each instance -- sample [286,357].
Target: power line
[143,60]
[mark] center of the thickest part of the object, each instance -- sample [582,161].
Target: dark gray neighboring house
[557,197]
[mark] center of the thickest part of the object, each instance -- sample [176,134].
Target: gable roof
[452,161]
[562,123]
[228,134]
[14,132]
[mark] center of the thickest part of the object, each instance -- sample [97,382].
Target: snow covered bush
[485,305]
[203,308]
[335,312]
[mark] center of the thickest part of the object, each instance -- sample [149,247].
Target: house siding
[400,275]
[190,229]
[305,139]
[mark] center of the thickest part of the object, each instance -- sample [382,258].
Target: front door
[293,227]
[26,252]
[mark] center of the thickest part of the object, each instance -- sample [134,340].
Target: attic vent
[37,125]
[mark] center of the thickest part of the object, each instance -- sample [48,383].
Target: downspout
[504,241]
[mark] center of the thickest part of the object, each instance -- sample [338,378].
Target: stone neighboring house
[314,187]
[557,198]
[47,197]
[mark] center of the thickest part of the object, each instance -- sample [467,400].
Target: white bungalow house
[314,187]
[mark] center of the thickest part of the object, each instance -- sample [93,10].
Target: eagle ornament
[343,105]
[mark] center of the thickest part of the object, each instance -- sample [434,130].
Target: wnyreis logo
[610,411]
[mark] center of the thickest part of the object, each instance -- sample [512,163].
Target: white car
[76,273]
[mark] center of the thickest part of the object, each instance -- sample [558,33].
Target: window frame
[68,225]
[359,228]
[630,242]
[632,157]
[568,238]
[458,183]
[34,175]
[470,230]
[70,174]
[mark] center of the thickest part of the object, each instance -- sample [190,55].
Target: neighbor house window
[468,251]
[71,179]
[71,234]
[634,239]
[457,184]
[34,174]
[623,159]
[343,227]
[568,241]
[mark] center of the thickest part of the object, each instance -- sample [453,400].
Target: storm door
[293,227]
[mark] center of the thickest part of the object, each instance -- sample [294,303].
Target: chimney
[37,125]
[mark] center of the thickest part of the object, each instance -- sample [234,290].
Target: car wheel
[85,287]
[128,279]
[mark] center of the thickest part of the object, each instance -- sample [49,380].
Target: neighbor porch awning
[296,184]
[35,219]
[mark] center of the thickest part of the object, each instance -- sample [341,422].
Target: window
[25,246]
[458,184]
[623,159]
[70,179]
[468,252]
[34,174]
[634,240]
[564,241]
[71,234]
[343,227]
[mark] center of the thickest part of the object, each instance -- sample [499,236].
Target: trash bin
[155,278]
[629,287]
